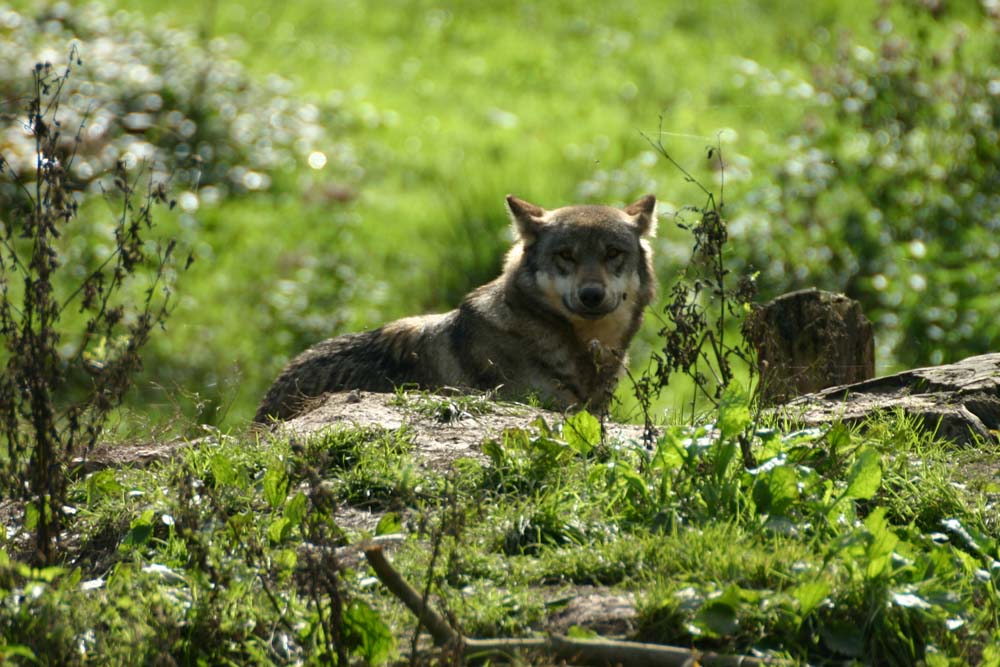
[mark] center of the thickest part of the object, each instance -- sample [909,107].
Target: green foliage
[183,106]
[888,191]
[407,212]
[819,553]
[582,432]
[445,406]
[836,545]
[369,466]
[706,305]
[734,411]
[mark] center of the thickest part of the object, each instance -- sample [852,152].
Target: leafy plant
[699,337]
[43,421]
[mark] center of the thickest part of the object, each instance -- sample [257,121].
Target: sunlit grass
[456,106]
[445,108]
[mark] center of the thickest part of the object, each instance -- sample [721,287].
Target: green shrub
[166,98]
[262,178]
[890,190]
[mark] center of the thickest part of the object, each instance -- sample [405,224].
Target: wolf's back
[377,360]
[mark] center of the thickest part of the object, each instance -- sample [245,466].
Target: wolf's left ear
[643,214]
[527,218]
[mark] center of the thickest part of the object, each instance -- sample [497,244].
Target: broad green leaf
[582,432]
[776,490]
[734,410]
[771,444]
[810,595]
[718,619]
[223,470]
[731,597]
[839,438]
[295,510]
[366,634]
[276,484]
[633,482]
[17,651]
[102,484]
[389,523]
[286,558]
[670,453]
[865,476]
[941,660]
[724,455]
[720,616]
[279,530]
[883,543]
[138,535]
[141,530]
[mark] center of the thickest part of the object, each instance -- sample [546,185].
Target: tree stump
[810,340]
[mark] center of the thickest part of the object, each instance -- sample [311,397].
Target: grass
[842,545]
[448,107]
[878,546]
[434,111]
[440,109]
[444,406]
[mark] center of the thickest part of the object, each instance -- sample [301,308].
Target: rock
[960,401]
[810,340]
[443,430]
[607,612]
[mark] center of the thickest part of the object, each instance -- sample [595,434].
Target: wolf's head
[587,263]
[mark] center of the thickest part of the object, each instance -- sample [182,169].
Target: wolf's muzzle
[591,301]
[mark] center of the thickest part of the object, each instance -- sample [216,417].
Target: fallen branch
[579,651]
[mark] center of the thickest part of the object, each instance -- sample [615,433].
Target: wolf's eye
[613,253]
[565,254]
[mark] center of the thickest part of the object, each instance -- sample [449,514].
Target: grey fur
[557,322]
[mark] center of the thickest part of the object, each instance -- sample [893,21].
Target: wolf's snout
[591,296]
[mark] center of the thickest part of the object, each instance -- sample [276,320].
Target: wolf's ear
[643,214]
[527,218]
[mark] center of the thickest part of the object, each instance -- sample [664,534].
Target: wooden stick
[600,652]
[442,633]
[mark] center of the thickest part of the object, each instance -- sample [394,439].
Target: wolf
[556,323]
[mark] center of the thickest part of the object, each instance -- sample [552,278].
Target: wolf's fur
[556,323]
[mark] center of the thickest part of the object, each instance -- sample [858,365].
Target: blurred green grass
[453,105]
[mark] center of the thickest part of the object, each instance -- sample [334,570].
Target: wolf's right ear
[527,218]
[643,214]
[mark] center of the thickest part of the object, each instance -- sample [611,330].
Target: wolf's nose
[591,296]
